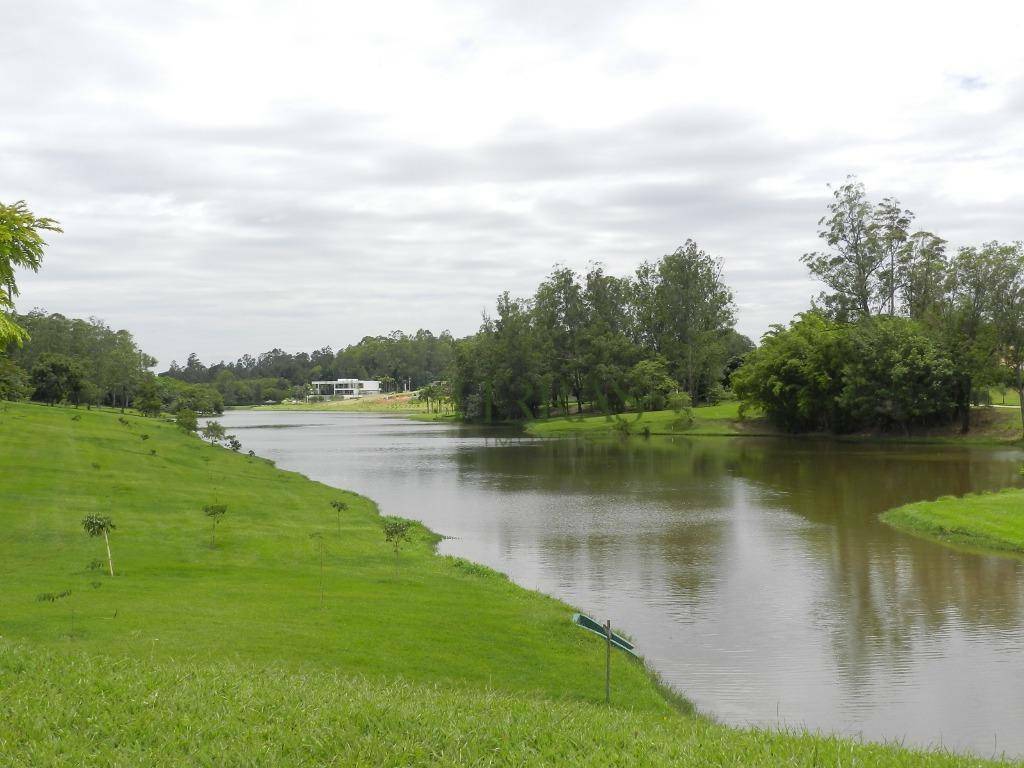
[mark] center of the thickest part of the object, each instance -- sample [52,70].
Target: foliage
[100,525]
[56,378]
[213,431]
[147,399]
[186,419]
[650,385]
[112,365]
[14,381]
[601,340]
[396,531]
[820,375]
[396,360]
[21,246]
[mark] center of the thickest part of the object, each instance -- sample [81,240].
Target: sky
[237,176]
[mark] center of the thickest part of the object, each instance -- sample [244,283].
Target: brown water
[752,573]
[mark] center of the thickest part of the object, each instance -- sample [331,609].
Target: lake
[752,573]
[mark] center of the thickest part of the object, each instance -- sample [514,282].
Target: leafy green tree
[794,376]
[685,312]
[186,419]
[21,246]
[1008,316]
[213,431]
[147,398]
[56,378]
[14,381]
[216,513]
[650,385]
[396,533]
[895,376]
[98,525]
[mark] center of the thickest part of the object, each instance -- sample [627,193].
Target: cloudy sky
[236,176]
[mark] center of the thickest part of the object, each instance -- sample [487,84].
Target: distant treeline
[398,361]
[85,362]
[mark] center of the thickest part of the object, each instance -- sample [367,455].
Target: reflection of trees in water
[883,588]
[659,513]
[652,513]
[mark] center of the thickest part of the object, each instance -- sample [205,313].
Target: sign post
[608,662]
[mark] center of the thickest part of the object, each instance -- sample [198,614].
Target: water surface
[753,573]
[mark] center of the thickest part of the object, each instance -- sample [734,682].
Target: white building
[343,388]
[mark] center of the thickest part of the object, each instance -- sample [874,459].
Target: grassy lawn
[989,521]
[721,419]
[1007,397]
[201,655]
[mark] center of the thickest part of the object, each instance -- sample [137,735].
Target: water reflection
[753,573]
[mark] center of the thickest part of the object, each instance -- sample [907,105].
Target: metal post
[608,662]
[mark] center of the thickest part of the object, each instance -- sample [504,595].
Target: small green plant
[234,443]
[396,532]
[216,513]
[339,507]
[95,465]
[95,565]
[143,438]
[123,422]
[98,525]
[77,417]
[152,451]
[52,597]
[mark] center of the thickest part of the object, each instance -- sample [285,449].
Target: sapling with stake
[215,512]
[98,525]
[396,531]
[339,507]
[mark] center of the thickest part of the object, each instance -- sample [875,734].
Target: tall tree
[21,246]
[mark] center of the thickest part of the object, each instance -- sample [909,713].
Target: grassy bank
[223,655]
[721,419]
[988,426]
[402,402]
[987,521]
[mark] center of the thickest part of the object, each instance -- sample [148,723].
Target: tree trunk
[110,558]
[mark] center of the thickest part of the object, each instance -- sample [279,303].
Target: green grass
[721,419]
[195,655]
[986,521]
[1009,396]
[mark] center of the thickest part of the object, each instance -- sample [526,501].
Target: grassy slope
[990,521]
[221,656]
[402,402]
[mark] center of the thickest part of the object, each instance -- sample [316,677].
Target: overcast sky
[237,176]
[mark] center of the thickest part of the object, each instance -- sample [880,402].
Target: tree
[14,382]
[859,269]
[213,431]
[186,419]
[97,525]
[21,246]
[650,385]
[685,312]
[1008,315]
[147,398]
[216,513]
[56,378]
[339,507]
[396,532]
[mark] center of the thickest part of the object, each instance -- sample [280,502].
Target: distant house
[343,389]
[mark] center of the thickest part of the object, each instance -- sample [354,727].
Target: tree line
[601,342]
[905,333]
[399,361]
